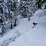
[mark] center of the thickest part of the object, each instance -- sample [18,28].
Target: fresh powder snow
[24,35]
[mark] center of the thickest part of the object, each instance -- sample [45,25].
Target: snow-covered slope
[28,36]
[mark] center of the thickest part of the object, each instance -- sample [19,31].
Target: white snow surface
[24,35]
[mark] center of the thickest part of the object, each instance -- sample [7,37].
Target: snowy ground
[25,35]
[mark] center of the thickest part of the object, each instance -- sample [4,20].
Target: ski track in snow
[12,39]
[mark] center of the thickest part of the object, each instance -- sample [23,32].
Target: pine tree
[40,3]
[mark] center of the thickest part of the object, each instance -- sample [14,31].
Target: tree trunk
[15,22]
[11,26]
[29,18]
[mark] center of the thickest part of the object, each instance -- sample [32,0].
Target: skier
[34,24]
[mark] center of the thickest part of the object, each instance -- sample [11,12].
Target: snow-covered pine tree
[40,3]
[2,17]
[26,9]
[12,9]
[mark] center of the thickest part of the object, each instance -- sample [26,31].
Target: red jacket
[34,23]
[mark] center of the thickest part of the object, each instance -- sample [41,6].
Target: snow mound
[40,13]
